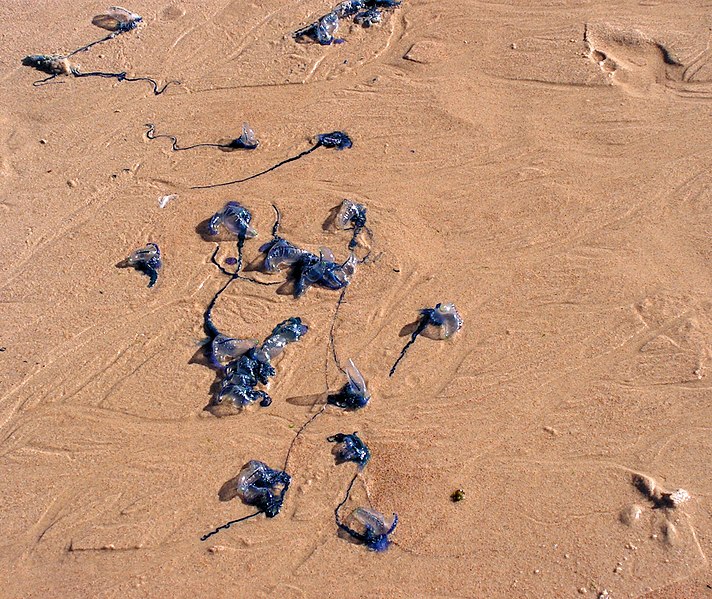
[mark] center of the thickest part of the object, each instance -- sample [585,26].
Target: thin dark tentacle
[299,432]
[111,36]
[421,327]
[277,220]
[264,172]
[122,77]
[151,134]
[355,534]
[346,497]
[227,525]
[221,268]
[332,342]
[210,327]
[45,81]
[156,90]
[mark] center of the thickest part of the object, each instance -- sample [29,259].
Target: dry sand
[544,165]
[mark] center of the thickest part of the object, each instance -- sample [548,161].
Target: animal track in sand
[630,58]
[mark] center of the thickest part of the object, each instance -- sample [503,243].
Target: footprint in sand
[633,60]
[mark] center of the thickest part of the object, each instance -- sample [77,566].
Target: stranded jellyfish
[259,486]
[146,260]
[440,322]
[365,12]
[349,448]
[369,527]
[351,216]
[354,394]
[252,365]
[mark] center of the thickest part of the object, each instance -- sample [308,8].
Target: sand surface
[544,165]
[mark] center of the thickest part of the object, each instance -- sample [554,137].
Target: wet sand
[545,166]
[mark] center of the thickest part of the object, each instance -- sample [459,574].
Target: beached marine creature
[307,269]
[325,28]
[369,527]
[367,13]
[336,139]
[322,270]
[146,260]
[259,486]
[348,8]
[322,30]
[262,487]
[286,332]
[368,18]
[351,216]
[224,349]
[235,218]
[349,448]
[354,394]
[440,322]
[246,141]
[279,253]
[117,20]
[52,64]
[252,365]
[55,65]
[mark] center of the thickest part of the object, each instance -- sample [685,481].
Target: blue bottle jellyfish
[236,220]
[258,486]
[252,366]
[323,271]
[349,448]
[354,394]
[351,216]
[368,18]
[336,139]
[117,20]
[369,527]
[262,487]
[440,322]
[280,253]
[348,8]
[146,260]
[326,28]
[224,349]
[365,13]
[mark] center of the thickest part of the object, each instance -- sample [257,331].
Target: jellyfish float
[146,260]
[351,216]
[117,20]
[369,527]
[365,13]
[259,486]
[440,322]
[354,394]
[249,365]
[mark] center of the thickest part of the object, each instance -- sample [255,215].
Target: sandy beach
[543,165]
